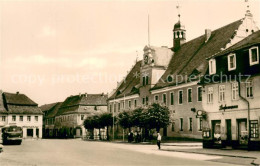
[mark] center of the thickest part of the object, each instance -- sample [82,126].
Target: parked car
[12,135]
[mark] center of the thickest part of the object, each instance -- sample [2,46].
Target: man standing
[159,138]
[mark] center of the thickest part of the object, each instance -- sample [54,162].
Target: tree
[89,124]
[125,119]
[157,116]
[106,120]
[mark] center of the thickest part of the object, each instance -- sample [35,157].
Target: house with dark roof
[18,109]
[50,111]
[232,94]
[70,115]
[174,82]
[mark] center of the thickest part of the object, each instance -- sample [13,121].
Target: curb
[213,154]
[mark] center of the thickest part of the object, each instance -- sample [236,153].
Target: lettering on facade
[225,107]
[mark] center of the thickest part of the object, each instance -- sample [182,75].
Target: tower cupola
[179,34]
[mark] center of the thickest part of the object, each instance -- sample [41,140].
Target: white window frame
[234,90]
[210,94]
[248,85]
[212,66]
[200,123]
[190,124]
[129,104]
[188,95]
[171,95]
[198,93]
[155,98]
[221,93]
[250,56]
[164,94]
[181,125]
[234,62]
[179,97]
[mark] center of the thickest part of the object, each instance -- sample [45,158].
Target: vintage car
[12,135]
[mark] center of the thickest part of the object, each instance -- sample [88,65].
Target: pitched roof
[191,57]
[18,99]
[251,40]
[53,110]
[73,103]
[47,107]
[129,84]
[20,104]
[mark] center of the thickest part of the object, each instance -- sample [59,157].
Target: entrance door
[216,131]
[229,132]
[242,131]
[29,132]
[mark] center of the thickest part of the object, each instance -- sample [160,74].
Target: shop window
[254,129]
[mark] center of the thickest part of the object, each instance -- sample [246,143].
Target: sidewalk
[197,149]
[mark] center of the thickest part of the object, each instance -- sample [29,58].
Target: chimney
[207,34]
[17,92]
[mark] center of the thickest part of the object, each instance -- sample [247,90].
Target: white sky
[54,49]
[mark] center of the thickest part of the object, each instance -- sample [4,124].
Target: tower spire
[178,10]
[148,31]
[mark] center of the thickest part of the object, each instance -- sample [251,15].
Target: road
[78,152]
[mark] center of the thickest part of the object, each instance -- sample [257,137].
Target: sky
[52,49]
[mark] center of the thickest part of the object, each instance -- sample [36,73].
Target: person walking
[159,138]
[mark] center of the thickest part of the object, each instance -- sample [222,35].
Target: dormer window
[212,66]
[253,56]
[231,62]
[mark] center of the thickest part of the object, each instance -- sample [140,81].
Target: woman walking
[159,138]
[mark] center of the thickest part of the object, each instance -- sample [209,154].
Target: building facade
[232,93]
[18,109]
[171,77]
[72,112]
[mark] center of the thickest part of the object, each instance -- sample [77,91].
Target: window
[189,95]
[143,101]
[249,89]
[147,99]
[234,87]
[172,98]
[253,56]
[254,129]
[135,103]
[199,124]
[28,118]
[199,93]
[180,96]
[156,98]
[146,80]
[181,124]
[123,105]
[212,66]
[222,93]
[110,107]
[21,118]
[13,118]
[164,98]
[231,62]
[129,104]
[119,106]
[173,126]
[190,124]
[82,117]
[210,94]
[36,118]
[114,107]
[3,118]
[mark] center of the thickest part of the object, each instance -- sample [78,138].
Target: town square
[129,82]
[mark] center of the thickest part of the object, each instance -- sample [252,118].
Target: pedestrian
[159,138]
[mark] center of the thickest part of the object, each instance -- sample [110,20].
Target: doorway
[29,132]
[229,132]
[216,131]
[242,131]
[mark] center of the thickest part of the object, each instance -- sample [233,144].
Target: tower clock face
[146,59]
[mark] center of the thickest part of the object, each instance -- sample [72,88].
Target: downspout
[248,111]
